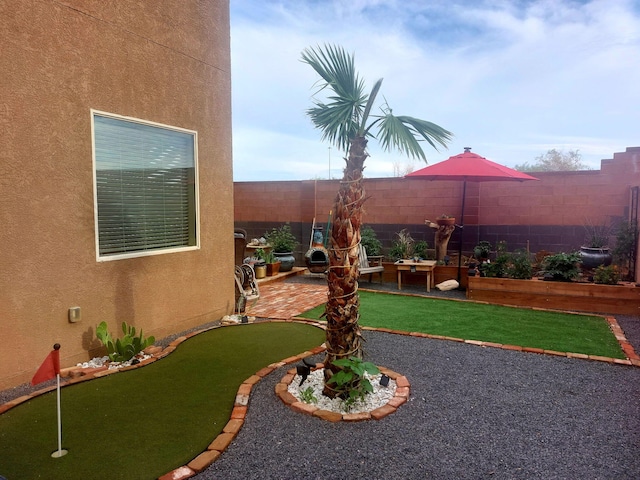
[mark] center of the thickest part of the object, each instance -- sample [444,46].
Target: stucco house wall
[166,62]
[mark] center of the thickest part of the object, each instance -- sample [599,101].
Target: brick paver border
[400,397]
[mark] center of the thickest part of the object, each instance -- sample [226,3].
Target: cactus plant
[125,348]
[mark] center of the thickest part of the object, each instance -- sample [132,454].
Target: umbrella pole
[464,194]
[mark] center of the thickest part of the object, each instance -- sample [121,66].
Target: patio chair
[370,264]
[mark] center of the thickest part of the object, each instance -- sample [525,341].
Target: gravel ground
[473,413]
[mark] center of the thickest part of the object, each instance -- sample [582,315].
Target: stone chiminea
[317,257]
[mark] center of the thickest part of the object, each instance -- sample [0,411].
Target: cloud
[511,79]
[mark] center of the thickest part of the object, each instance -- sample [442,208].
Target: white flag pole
[60,452]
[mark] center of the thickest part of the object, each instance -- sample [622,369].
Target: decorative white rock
[380,396]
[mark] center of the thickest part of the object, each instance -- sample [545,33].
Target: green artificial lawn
[146,422]
[557,331]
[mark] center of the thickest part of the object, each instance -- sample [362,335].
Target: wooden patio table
[426,266]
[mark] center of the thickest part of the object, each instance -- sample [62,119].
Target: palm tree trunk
[343,334]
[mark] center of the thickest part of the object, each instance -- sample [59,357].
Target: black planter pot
[287,260]
[594,257]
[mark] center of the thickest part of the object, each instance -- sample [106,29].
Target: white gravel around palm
[380,396]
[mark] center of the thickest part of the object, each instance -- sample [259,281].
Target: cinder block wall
[548,214]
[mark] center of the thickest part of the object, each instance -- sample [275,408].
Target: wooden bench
[370,265]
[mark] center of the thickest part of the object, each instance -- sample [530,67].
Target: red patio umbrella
[470,167]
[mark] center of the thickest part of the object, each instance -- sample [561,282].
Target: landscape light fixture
[384,380]
[303,371]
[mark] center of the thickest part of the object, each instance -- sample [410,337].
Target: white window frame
[196,204]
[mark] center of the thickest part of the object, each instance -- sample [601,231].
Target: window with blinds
[145,187]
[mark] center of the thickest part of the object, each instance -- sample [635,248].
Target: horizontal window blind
[145,186]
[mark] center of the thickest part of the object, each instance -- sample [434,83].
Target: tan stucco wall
[161,61]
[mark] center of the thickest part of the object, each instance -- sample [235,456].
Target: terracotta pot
[446,221]
[273,269]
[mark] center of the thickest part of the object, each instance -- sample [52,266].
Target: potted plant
[259,265]
[272,263]
[258,255]
[595,250]
[283,242]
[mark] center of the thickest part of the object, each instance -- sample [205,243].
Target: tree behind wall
[344,122]
[555,161]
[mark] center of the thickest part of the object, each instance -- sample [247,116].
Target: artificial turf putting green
[562,332]
[146,422]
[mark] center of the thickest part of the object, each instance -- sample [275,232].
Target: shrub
[402,247]
[520,266]
[624,251]
[606,275]
[482,250]
[370,241]
[420,249]
[562,266]
[497,268]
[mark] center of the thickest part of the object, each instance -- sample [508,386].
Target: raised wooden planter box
[582,297]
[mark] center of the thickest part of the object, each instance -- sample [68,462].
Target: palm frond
[403,133]
[430,131]
[335,122]
[367,108]
[336,119]
[345,113]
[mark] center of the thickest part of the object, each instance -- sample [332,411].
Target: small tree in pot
[283,242]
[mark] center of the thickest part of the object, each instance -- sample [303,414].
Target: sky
[509,78]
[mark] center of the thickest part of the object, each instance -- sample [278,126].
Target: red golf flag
[49,368]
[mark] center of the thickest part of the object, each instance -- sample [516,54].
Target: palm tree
[345,122]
